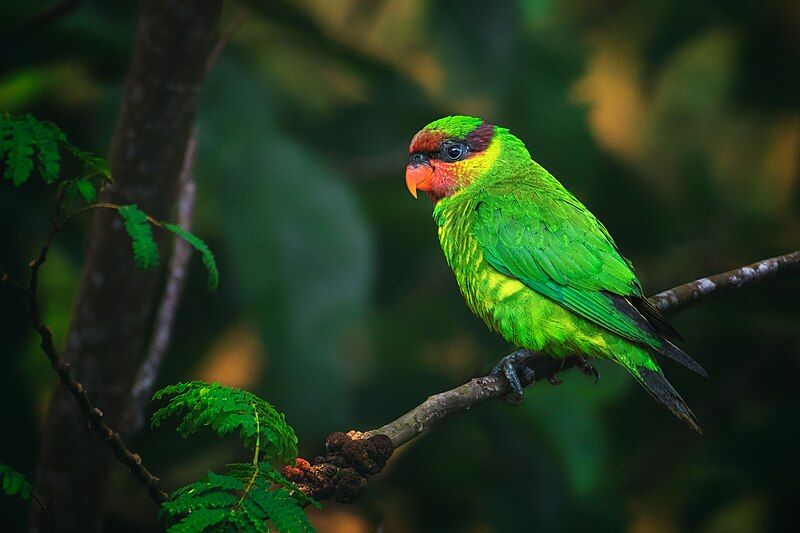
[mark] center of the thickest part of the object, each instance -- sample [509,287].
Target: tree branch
[703,289]
[114,302]
[359,454]
[130,459]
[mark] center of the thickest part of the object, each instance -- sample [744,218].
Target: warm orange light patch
[236,359]
[612,86]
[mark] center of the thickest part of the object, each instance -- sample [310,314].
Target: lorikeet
[533,262]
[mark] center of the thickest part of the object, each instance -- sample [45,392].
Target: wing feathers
[548,240]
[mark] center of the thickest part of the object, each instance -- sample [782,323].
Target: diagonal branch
[130,459]
[359,455]
[703,289]
[490,387]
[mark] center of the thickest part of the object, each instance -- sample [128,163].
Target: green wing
[547,239]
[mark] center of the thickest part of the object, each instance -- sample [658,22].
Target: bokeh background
[676,121]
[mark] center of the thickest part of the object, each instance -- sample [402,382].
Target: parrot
[534,263]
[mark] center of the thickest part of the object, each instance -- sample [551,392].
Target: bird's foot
[554,381]
[512,366]
[587,369]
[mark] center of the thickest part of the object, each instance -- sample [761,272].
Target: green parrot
[533,262]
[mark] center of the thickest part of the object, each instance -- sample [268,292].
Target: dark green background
[676,121]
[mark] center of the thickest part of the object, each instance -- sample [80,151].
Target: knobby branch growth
[355,456]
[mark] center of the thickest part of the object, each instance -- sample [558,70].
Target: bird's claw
[554,381]
[588,370]
[511,366]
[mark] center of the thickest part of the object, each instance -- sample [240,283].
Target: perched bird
[533,262]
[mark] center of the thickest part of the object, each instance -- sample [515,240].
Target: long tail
[659,388]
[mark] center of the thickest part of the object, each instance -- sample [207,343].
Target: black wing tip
[661,389]
[676,354]
[655,318]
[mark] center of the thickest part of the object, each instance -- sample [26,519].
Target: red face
[436,164]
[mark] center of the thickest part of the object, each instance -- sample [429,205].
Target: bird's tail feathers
[676,354]
[659,388]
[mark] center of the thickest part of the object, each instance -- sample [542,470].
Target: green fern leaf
[18,149]
[227,410]
[14,483]
[205,252]
[82,187]
[283,510]
[93,166]
[46,138]
[199,520]
[249,516]
[145,251]
[268,475]
[211,482]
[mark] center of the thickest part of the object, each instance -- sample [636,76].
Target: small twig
[48,515]
[320,479]
[228,34]
[132,460]
[147,374]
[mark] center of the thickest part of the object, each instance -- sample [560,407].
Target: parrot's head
[452,153]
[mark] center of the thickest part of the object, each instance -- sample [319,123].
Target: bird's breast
[488,292]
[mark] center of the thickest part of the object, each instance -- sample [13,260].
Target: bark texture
[113,307]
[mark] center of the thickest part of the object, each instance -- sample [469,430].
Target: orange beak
[418,178]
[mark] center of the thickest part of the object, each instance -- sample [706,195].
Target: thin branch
[47,512]
[348,452]
[130,459]
[222,43]
[462,398]
[146,376]
[704,289]
[479,390]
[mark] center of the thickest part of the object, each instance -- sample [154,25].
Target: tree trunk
[113,307]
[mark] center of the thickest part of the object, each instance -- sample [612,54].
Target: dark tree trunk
[113,307]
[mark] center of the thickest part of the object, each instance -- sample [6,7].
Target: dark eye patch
[453,150]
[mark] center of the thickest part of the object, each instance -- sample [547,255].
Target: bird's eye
[454,151]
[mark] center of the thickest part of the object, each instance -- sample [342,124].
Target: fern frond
[14,483]
[17,147]
[269,475]
[205,252]
[249,516]
[199,520]
[235,505]
[283,510]
[211,482]
[227,410]
[22,136]
[145,251]
[81,188]
[46,138]
[93,166]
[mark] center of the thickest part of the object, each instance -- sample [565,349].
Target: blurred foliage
[677,122]
[13,483]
